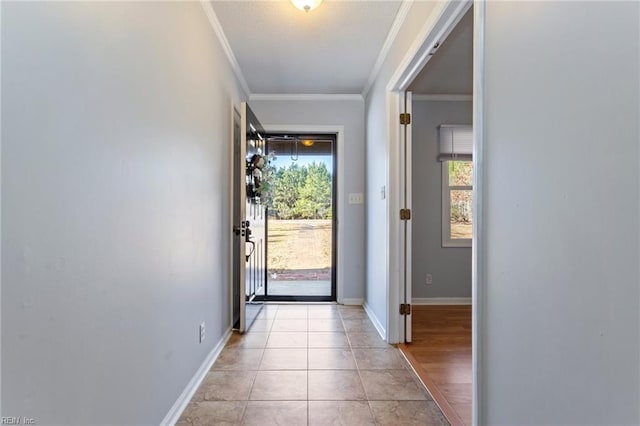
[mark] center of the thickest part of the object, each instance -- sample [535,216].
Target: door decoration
[260,178]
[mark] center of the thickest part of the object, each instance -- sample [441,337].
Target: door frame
[441,22]
[235,112]
[339,161]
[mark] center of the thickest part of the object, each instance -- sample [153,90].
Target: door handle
[253,248]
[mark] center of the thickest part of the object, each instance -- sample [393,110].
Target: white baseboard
[441,301]
[376,322]
[358,302]
[181,403]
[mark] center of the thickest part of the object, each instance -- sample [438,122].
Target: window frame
[447,241]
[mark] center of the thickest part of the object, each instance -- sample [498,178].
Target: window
[456,149]
[457,196]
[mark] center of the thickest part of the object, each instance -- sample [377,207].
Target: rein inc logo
[17,421]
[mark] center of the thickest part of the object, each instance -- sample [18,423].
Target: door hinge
[405,214]
[405,309]
[405,118]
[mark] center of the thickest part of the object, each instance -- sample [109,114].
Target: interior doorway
[439,242]
[301,218]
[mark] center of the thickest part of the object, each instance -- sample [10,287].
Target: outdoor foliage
[302,192]
[461,174]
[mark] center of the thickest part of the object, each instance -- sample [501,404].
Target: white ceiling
[282,50]
[450,70]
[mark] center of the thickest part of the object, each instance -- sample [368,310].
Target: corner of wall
[181,403]
[375,320]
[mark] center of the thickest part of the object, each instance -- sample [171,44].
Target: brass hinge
[405,214]
[405,118]
[405,309]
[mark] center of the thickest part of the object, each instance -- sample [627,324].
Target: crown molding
[443,97]
[217,28]
[401,16]
[305,97]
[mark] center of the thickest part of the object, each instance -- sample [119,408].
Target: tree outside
[461,175]
[300,226]
[302,192]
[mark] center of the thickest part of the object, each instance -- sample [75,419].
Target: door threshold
[441,401]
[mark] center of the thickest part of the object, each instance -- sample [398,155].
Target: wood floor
[441,355]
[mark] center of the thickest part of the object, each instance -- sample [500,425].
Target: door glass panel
[300,229]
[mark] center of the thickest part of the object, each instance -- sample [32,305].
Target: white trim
[375,321]
[406,202]
[479,243]
[340,193]
[443,98]
[217,28]
[181,403]
[354,302]
[234,110]
[393,231]
[305,97]
[398,22]
[428,301]
[442,20]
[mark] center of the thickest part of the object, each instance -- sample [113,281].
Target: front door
[301,223]
[249,213]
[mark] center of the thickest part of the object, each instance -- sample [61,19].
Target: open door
[249,213]
[405,202]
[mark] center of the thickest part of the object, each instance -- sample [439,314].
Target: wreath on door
[260,179]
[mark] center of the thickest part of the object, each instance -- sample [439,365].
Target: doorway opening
[301,218]
[437,246]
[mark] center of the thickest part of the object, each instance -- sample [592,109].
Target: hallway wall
[449,266]
[561,333]
[350,114]
[115,185]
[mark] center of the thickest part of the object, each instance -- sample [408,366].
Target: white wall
[115,168]
[449,266]
[350,114]
[377,147]
[561,330]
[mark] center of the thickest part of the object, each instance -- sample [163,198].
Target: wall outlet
[383,192]
[356,198]
[429,279]
[202,330]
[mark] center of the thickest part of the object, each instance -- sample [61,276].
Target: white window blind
[456,142]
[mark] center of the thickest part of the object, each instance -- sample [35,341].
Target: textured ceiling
[282,50]
[450,70]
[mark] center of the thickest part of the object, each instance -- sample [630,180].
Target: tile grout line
[255,377]
[366,345]
[355,361]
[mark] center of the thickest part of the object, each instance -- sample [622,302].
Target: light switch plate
[356,198]
[202,332]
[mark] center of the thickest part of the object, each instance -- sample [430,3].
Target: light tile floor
[311,365]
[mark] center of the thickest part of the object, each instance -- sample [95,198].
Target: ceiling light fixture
[307,142]
[306,5]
